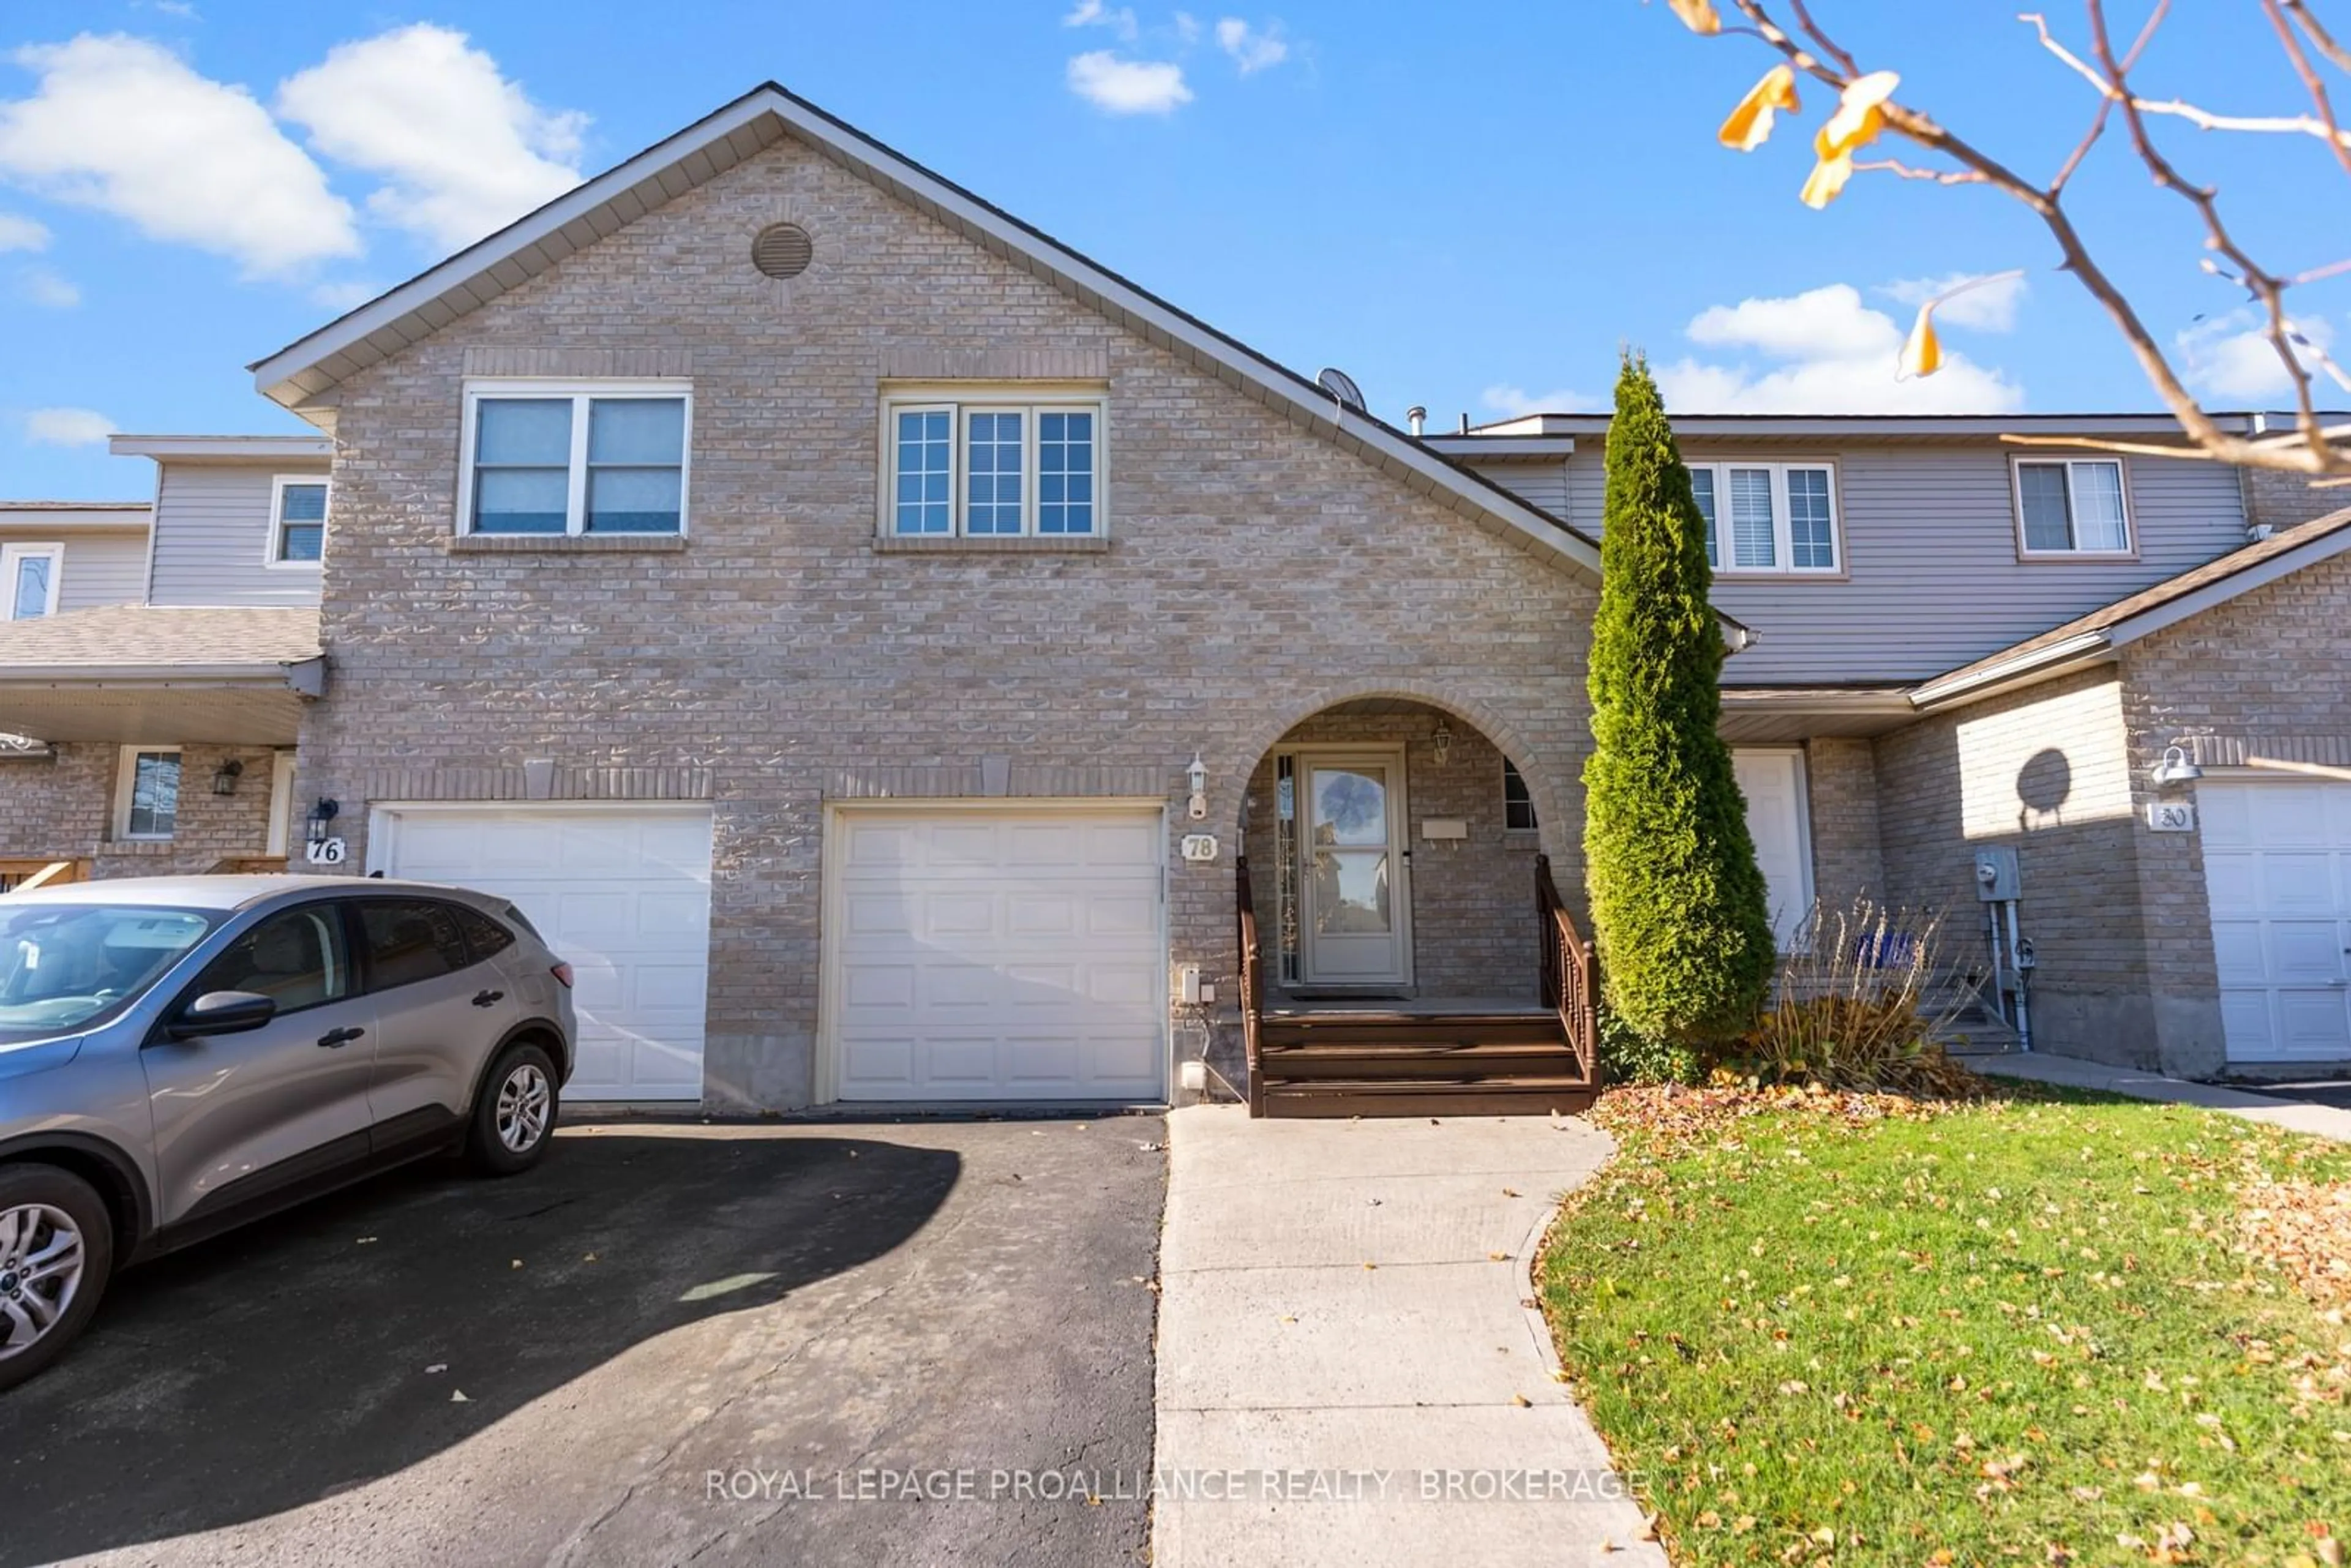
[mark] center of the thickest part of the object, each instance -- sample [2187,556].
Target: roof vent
[782,250]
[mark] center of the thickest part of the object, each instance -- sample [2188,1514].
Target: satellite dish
[1342,386]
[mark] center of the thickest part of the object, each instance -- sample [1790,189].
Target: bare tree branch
[2312,449]
[2312,83]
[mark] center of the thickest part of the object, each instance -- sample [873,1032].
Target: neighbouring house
[156,660]
[1964,642]
[895,658]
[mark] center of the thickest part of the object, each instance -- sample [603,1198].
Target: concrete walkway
[2299,1116]
[1316,1410]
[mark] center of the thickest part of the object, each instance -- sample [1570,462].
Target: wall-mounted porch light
[225,776]
[1196,777]
[2176,768]
[320,823]
[1441,743]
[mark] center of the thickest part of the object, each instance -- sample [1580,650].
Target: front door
[1353,925]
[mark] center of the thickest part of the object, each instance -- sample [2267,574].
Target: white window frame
[11,555]
[126,781]
[581,393]
[273,555]
[1032,400]
[1783,552]
[2024,549]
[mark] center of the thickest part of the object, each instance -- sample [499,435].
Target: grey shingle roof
[130,635]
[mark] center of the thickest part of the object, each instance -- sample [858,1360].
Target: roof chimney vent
[1465,422]
[1418,417]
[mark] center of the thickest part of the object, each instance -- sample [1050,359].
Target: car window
[295,957]
[409,939]
[523,922]
[72,966]
[482,935]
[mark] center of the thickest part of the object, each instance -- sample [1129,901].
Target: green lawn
[2021,1329]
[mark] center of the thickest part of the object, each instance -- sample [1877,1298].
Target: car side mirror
[221,1012]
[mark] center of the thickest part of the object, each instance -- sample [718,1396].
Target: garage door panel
[2239,953]
[2313,1023]
[1023,950]
[2277,854]
[621,895]
[2228,876]
[2304,953]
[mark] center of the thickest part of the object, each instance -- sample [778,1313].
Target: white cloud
[462,150]
[1253,49]
[1840,357]
[1517,402]
[1128,87]
[52,290]
[1988,307]
[2231,358]
[22,233]
[1094,14]
[1187,27]
[342,296]
[67,427]
[125,126]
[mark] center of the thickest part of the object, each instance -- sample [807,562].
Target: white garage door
[622,894]
[997,954]
[2277,864]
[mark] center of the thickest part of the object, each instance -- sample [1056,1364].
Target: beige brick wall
[2282,500]
[1847,862]
[1473,900]
[1255,575]
[63,809]
[2043,771]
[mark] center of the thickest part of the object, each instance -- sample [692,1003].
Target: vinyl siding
[1933,581]
[212,530]
[98,569]
[1541,483]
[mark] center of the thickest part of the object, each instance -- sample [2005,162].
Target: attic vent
[782,250]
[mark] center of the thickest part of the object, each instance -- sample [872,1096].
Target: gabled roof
[303,375]
[2092,638]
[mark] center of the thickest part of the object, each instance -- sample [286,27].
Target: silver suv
[179,1055]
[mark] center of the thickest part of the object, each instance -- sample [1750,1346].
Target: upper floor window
[1769,516]
[297,521]
[28,580]
[993,468]
[147,798]
[2073,506]
[590,458]
[1517,800]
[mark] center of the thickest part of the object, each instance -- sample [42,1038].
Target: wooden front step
[1412,1031]
[1411,1097]
[1351,1058]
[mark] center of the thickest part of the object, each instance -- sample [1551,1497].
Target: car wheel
[515,1116]
[57,1248]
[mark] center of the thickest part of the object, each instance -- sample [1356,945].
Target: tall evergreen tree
[1678,904]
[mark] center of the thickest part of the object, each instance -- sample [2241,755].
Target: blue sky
[1466,207]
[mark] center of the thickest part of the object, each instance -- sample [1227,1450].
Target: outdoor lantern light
[225,776]
[322,816]
[1442,742]
[1197,777]
[2176,768]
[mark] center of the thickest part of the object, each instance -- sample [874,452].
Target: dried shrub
[1854,1008]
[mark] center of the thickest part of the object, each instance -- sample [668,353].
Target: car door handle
[335,1039]
[488,999]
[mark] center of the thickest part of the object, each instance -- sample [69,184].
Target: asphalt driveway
[906,1344]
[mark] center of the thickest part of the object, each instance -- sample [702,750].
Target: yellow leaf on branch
[1751,123]
[1697,15]
[1855,125]
[1923,356]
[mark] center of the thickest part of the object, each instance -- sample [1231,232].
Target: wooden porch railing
[1568,973]
[24,876]
[1252,985]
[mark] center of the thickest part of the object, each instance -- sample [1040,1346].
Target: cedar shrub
[1678,906]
